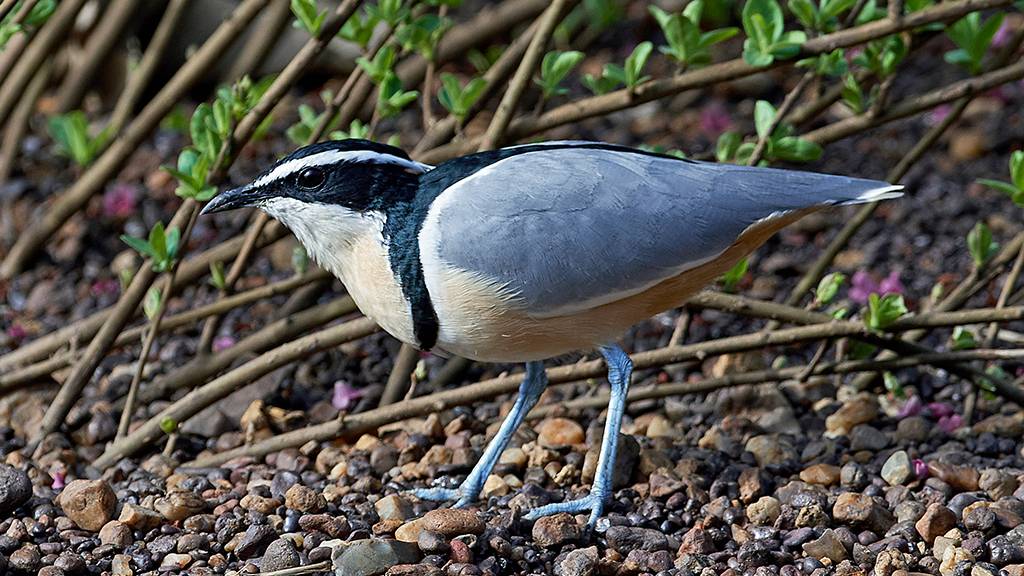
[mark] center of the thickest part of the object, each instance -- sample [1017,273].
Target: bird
[530,252]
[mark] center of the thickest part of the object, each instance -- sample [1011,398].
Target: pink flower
[939,409]
[891,284]
[1002,35]
[949,424]
[912,407]
[58,480]
[938,114]
[861,286]
[920,468]
[345,395]
[864,285]
[16,332]
[714,119]
[119,201]
[105,287]
[223,342]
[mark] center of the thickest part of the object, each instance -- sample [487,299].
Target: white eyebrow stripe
[328,157]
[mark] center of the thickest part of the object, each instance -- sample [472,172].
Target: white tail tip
[884,193]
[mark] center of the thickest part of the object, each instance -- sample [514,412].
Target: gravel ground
[801,478]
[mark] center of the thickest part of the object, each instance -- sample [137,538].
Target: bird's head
[327,181]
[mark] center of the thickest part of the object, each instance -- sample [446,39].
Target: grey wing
[567,229]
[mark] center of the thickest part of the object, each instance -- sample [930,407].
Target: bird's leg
[620,367]
[529,392]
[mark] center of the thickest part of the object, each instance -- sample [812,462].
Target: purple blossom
[105,286]
[864,285]
[920,468]
[1002,35]
[861,286]
[940,409]
[891,284]
[119,201]
[58,480]
[223,342]
[938,114]
[16,332]
[345,395]
[714,119]
[949,424]
[912,407]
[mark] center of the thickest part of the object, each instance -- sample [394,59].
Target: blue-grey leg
[620,367]
[529,392]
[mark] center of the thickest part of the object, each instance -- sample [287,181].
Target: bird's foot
[463,495]
[593,502]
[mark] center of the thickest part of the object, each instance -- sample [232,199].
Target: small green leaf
[727,146]
[764,115]
[963,339]
[217,275]
[884,310]
[635,64]
[893,385]
[980,244]
[300,259]
[828,288]
[554,68]
[1015,194]
[139,245]
[1017,169]
[151,303]
[794,149]
[732,278]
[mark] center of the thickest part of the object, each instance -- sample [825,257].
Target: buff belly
[481,324]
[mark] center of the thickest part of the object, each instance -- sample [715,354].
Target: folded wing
[567,228]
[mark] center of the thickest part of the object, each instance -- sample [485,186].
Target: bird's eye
[311,178]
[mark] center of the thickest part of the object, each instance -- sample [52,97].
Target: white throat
[351,246]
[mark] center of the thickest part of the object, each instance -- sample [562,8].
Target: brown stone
[863,511]
[821,474]
[453,522]
[559,433]
[89,503]
[937,520]
[549,531]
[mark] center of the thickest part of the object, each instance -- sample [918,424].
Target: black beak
[229,200]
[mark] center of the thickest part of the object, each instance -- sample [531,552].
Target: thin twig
[776,375]
[117,154]
[495,134]
[53,32]
[192,403]
[109,29]
[399,379]
[362,422]
[142,74]
[604,104]
[787,104]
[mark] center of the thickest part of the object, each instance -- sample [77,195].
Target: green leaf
[770,15]
[158,240]
[963,339]
[884,310]
[173,237]
[1017,169]
[300,259]
[764,115]
[635,64]
[308,16]
[139,245]
[151,303]
[794,149]
[217,275]
[805,11]
[980,244]
[828,288]
[852,94]
[732,278]
[554,68]
[893,385]
[1015,194]
[727,146]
